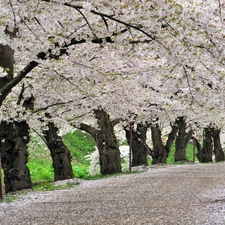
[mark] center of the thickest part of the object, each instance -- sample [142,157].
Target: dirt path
[177,195]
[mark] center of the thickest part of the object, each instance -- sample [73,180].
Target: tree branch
[188,138]
[196,143]
[20,97]
[43,139]
[103,15]
[48,54]
[116,121]
[7,88]
[52,105]
[188,82]
[172,136]
[91,130]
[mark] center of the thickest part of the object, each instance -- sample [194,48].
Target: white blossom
[87,6]
[3,72]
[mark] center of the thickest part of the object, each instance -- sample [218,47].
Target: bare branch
[52,105]
[116,121]
[91,130]
[103,15]
[188,82]
[84,18]
[39,23]
[105,22]
[220,11]
[43,139]
[30,29]
[7,88]
[20,97]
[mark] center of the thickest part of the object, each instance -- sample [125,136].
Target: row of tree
[14,138]
[69,63]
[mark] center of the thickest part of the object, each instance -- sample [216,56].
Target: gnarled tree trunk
[218,151]
[6,62]
[14,138]
[172,136]
[60,154]
[110,161]
[109,153]
[205,154]
[161,152]
[182,140]
[140,150]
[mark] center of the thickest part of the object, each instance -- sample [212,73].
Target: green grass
[189,154]
[14,196]
[149,160]
[41,186]
[39,161]
[100,176]
[50,186]
[79,143]
[81,171]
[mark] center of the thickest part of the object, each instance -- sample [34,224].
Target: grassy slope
[40,163]
[80,144]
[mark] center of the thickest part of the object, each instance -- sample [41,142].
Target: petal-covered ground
[187,194]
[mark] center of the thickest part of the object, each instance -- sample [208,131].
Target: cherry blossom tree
[150,57]
[14,136]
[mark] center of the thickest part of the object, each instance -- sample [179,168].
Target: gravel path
[175,195]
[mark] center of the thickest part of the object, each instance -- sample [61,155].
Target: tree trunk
[140,149]
[218,151]
[159,153]
[172,136]
[205,154]
[182,140]
[1,186]
[7,62]
[14,138]
[60,154]
[110,161]
[109,153]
